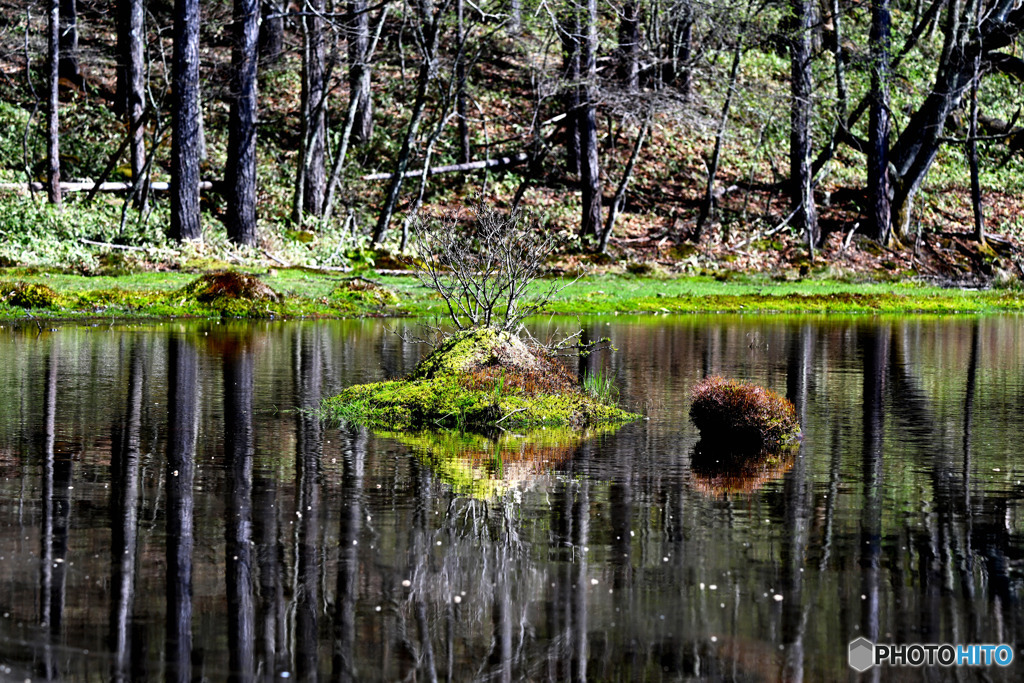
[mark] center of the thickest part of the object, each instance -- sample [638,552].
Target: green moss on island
[477,379]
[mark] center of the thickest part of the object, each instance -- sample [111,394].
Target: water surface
[167,513]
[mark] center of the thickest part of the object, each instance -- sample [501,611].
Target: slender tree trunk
[629,46]
[620,193]
[53,105]
[460,93]
[590,167]
[311,182]
[355,101]
[131,85]
[359,71]
[879,188]
[424,78]
[271,30]
[240,171]
[185,123]
[800,176]
[69,67]
[515,17]
[569,33]
[972,137]
[707,207]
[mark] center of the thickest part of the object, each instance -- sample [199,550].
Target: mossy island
[480,380]
[742,417]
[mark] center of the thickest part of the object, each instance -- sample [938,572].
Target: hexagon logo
[862,654]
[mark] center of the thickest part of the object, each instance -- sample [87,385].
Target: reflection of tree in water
[722,473]
[181,451]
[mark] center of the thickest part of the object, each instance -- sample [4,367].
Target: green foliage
[600,387]
[728,411]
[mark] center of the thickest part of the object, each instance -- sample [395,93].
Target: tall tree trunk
[185,123]
[460,93]
[569,32]
[131,84]
[359,70]
[590,167]
[879,188]
[629,46]
[515,17]
[271,30]
[69,67]
[800,176]
[972,135]
[427,73]
[707,207]
[620,194]
[240,171]
[53,105]
[311,181]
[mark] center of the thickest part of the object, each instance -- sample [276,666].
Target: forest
[830,137]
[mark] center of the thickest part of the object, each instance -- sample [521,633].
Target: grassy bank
[27,293]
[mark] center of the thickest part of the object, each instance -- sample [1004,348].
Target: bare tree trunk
[879,188]
[69,67]
[620,193]
[131,85]
[569,32]
[271,30]
[460,93]
[359,71]
[972,139]
[800,176]
[240,170]
[515,17]
[707,207]
[629,46]
[311,181]
[426,75]
[354,103]
[53,105]
[185,123]
[590,167]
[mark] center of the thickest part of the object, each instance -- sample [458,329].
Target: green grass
[318,294]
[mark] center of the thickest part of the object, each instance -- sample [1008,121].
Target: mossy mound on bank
[233,294]
[27,295]
[362,294]
[744,416]
[477,379]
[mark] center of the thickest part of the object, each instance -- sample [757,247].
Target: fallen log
[24,188]
[499,162]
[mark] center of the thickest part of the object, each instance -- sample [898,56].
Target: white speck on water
[377,608]
[714,639]
[702,585]
[632,533]
[406,583]
[285,674]
[722,605]
[593,582]
[174,473]
[778,597]
[439,543]
[458,599]
[713,587]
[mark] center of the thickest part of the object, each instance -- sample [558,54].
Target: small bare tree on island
[483,265]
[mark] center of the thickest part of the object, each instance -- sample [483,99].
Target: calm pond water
[166,513]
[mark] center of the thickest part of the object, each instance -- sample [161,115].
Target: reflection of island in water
[721,472]
[486,467]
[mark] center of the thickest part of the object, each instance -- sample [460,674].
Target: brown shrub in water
[228,284]
[742,414]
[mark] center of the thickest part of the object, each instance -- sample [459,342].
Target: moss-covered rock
[477,379]
[744,416]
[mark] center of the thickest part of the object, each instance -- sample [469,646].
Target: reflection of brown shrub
[740,414]
[721,472]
